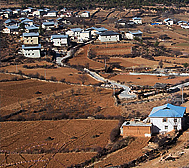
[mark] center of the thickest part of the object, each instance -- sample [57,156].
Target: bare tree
[83,78]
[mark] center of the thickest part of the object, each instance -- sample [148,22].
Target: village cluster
[31,23]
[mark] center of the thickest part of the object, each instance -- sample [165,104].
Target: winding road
[125,94]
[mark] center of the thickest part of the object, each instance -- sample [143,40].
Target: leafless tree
[83,78]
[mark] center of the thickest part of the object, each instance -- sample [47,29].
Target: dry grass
[59,160]
[129,153]
[32,135]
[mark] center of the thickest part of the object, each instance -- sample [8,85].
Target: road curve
[125,94]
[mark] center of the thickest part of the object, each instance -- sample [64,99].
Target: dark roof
[160,85]
[109,33]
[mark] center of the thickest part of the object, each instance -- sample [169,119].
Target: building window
[166,127]
[175,127]
[164,119]
[175,119]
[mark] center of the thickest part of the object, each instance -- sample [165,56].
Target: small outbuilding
[134,34]
[133,128]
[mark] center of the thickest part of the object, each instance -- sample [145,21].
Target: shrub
[114,134]
[62,80]
[53,78]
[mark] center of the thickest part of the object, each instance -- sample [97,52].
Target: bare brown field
[17,91]
[112,49]
[81,59]
[69,74]
[33,136]
[40,160]
[55,100]
[102,13]
[173,59]
[129,153]
[5,76]
[146,79]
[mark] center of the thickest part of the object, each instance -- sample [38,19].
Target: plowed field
[40,160]
[32,136]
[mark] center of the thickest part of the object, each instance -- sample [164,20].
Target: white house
[168,21]
[31,38]
[137,20]
[167,118]
[74,33]
[31,51]
[51,14]
[38,12]
[133,34]
[11,30]
[60,40]
[185,26]
[17,11]
[85,14]
[95,30]
[48,25]
[66,14]
[84,36]
[109,36]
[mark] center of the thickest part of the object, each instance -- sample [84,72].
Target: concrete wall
[160,126]
[138,131]
[31,53]
[109,38]
[60,42]
[31,40]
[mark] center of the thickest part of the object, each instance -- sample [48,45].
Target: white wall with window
[165,124]
[32,51]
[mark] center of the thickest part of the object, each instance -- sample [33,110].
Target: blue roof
[48,23]
[26,20]
[52,11]
[30,34]
[12,27]
[168,19]
[8,21]
[168,110]
[22,18]
[135,32]
[32,27]
[136,18]
[59,36]
[101,29]
[40,10]
[182,21]
[76,29]
[154,23]
[31,47]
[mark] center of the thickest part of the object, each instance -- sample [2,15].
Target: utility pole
[16,68]
[45,74]
[182,94]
